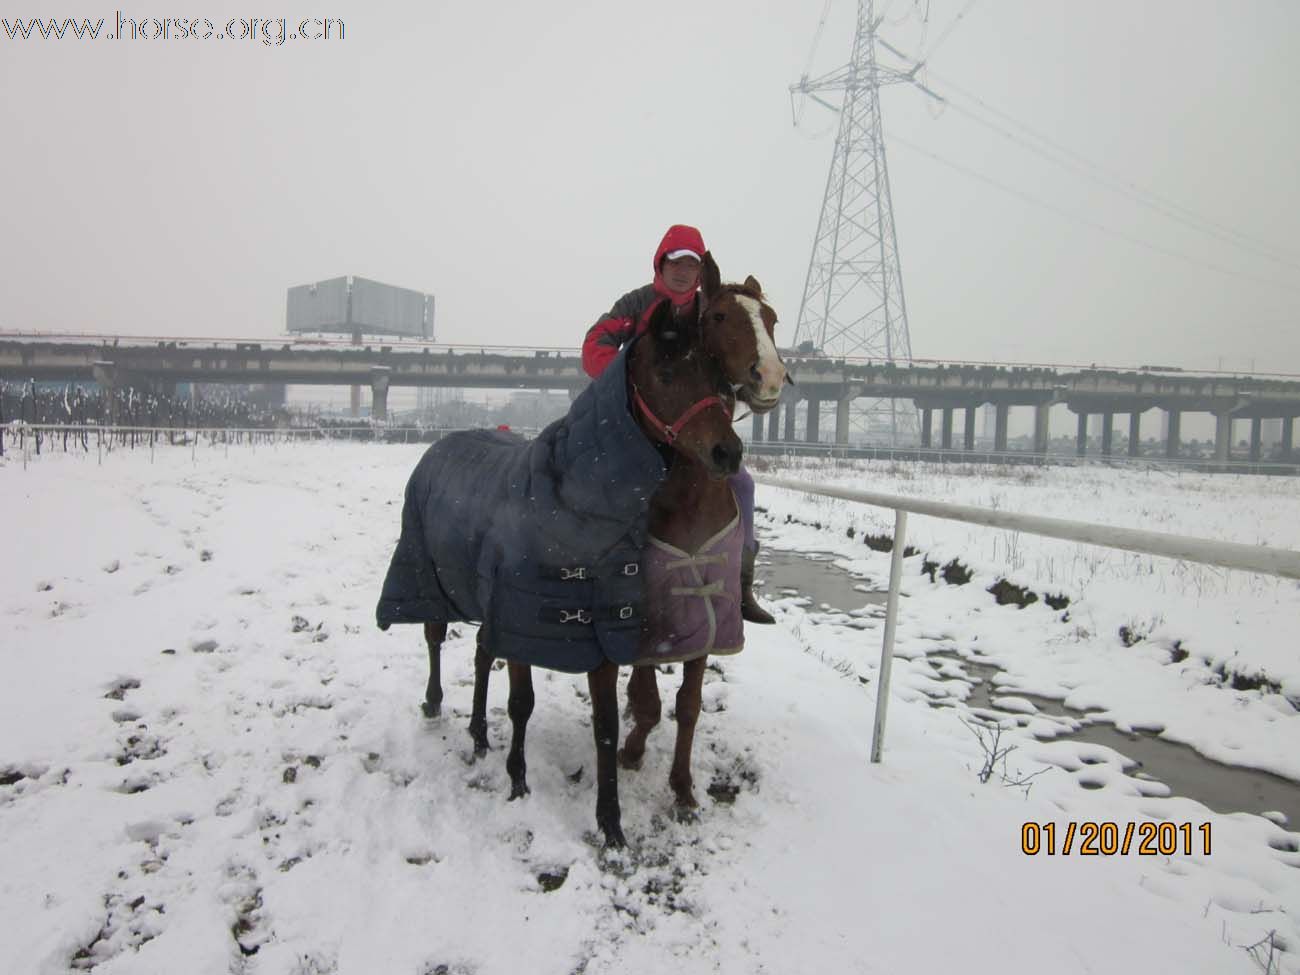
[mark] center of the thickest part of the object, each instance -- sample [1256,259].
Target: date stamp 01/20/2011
[1115,839]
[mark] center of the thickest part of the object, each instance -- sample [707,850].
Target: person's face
[681,275]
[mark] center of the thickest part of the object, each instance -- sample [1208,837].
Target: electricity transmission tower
[853,302]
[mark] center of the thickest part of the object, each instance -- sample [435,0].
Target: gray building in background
[357,306]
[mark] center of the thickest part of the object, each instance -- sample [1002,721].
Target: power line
[817,38]
[961,14]
[797,111]
[1053,151]
[1135,196]
[1102,228]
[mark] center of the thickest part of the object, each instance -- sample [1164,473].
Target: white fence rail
[1277,465]
[1229,555]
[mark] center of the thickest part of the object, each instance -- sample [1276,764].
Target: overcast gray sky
[520,161]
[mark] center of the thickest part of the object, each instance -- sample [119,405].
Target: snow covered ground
[211,760]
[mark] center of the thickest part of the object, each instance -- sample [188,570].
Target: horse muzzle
[760,406]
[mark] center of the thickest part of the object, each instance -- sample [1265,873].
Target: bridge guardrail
[308,340]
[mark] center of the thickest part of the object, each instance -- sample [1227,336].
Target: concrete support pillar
[1134,432]
[1081,439]
[791,409]
[354,399]
[1172,442]
[756,432]
[970,427]
[379,393]
[774,423]
[927,415]
[1107,433]
[842,420]
[1223,437]
[1042,421]
[1288,437]
[814,421]
[1256,438]
[1000,427]
[946,442]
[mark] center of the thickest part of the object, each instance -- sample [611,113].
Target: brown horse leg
[478,718]
[521,709]
[688,713]
[434,634]
[603,685]
[646,709]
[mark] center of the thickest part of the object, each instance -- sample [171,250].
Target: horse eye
[718,316]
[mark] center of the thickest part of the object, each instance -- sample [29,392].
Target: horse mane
[733,288]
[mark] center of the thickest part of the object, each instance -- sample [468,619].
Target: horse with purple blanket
[548,543]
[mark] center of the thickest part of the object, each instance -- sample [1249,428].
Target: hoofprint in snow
[211,761]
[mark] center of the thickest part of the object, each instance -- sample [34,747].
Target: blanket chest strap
[581,573]
[583,615]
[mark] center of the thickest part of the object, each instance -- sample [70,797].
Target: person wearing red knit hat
[677,264]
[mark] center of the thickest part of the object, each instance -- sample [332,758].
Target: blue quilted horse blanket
[540,541]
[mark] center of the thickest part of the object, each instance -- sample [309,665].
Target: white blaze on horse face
[771,369]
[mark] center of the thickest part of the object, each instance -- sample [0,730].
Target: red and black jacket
[630,315]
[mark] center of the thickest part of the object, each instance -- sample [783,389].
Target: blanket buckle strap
[575,616]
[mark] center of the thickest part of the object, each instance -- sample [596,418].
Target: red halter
[670,431]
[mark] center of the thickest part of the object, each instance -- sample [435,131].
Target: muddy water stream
[1223,788]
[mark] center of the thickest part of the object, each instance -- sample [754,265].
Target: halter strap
[670,431]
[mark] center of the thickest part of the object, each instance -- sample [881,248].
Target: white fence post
[887,645]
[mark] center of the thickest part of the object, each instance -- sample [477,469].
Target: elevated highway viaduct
[934,387]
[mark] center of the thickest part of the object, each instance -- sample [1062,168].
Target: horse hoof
[686,812]
[614,839]
[480,739]
[627,762]
[518,790]
[431,710]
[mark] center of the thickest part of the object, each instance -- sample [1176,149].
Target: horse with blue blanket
[543,541]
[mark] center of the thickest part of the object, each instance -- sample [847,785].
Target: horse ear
[712,277]
[751,284]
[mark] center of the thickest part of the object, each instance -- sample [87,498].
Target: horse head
[681,396]
[739,332]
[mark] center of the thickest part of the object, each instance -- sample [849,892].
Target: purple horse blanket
[693,600]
